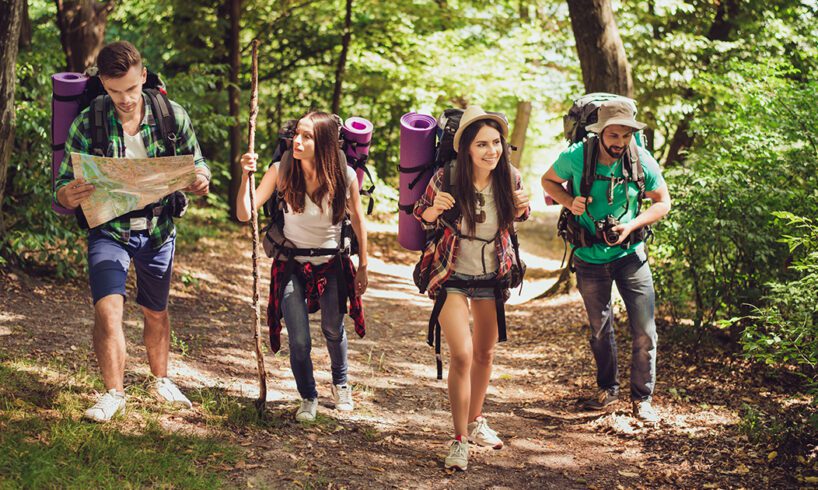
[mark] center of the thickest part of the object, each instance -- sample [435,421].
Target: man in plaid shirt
[149,238]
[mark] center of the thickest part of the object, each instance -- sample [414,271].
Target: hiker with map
[130,122]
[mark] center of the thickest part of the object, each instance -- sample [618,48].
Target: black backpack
[154,88]
[447,125]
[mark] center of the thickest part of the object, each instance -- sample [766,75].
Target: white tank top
[313,228]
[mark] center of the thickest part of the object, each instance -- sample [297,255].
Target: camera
[604,229]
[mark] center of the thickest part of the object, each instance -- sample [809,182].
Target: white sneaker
[644,411]
[168,391]
[458,457]
[481,434]
[342,394]
[306,412]
[108,405]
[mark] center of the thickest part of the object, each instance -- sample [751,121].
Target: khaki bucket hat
[615,112]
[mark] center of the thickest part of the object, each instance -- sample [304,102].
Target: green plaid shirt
[79,141]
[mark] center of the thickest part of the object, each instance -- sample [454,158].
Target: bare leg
[454,322]
[484,340]
[157,340]
[109,341]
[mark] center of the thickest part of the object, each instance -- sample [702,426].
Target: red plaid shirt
[315,281]
[441,257]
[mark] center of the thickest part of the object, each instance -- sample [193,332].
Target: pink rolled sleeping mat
[417,153]
[357,134]
[67,90]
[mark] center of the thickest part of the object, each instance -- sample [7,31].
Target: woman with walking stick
[312,269]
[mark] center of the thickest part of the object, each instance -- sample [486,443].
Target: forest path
[398,434]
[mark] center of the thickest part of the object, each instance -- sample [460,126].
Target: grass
[224,410]
[45,444]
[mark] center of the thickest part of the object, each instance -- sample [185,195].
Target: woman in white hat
[476,218]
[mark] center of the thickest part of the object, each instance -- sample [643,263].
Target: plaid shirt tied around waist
[315,280]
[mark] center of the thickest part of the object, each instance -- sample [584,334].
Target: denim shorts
[472,293]
[109,260]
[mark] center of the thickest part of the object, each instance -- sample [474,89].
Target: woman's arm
[433,202]
[522,206]
[263,192]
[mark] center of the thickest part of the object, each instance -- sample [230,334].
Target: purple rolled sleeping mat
[357,135]
[65,102]
[417,152]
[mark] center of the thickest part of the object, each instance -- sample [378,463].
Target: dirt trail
[398,433]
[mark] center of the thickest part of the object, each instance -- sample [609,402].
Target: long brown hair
[331,172]
[501,178]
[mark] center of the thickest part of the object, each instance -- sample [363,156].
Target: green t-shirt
[569,166]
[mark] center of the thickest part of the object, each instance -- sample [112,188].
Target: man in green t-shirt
[600,262]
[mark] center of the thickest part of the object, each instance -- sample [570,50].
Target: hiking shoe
[601,399]
[168,391]
[481,434]
[108,405]
[306,412]
[342,394]
[458,457]
[644,411]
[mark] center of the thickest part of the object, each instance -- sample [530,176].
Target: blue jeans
[635,284]
[294,310]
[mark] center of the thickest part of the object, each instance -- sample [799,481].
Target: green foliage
[785,329]
[720,246]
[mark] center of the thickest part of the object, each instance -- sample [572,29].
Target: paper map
[125,184]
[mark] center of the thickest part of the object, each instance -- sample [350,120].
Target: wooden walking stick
[251,139]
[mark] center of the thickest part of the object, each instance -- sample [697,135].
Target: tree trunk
[25,28]
[520,128]
[342,60]
[12,12]
[601,53]
[564,284]
[82,30]
[232,39]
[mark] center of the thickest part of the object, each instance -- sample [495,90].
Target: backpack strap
[590,155]
[450,216]
[99,125]
[165,119]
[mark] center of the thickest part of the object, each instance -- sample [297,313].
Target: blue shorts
[108,262]
[472,293]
